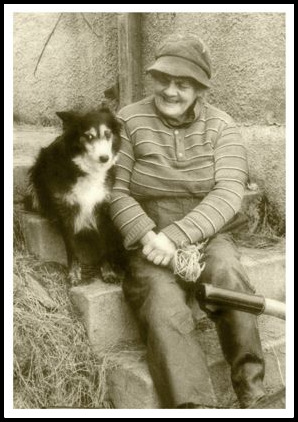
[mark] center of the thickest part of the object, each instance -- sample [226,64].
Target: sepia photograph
[147,182]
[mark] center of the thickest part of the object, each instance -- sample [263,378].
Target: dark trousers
[176,361]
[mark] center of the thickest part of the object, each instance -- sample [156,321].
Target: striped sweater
[205,159]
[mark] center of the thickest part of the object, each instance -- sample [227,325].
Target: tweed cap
[184,55]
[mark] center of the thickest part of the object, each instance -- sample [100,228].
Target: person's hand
[159,250]
[148,237]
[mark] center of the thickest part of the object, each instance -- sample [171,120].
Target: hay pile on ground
[54,365]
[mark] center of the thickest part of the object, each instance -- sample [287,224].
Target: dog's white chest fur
[88,191]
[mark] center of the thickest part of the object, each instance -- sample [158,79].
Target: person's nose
[171,89]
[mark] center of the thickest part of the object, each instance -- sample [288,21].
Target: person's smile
[174,95]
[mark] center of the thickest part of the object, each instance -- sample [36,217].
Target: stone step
[130,385]
[42,238]
[266,269]
[105,314]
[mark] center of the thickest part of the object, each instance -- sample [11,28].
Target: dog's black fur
[70,184]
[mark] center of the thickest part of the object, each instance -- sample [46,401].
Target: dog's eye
[89,137]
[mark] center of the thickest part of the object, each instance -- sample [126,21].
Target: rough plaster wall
[75,69]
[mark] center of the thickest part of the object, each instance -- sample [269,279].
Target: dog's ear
[103,105]
[68,118]
[117,125]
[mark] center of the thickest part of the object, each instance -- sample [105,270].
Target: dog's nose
[104,158]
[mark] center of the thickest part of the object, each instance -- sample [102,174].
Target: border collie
[70,183]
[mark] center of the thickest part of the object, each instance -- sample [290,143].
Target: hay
[54,365]
[261,233]
[18,236]
[258,241]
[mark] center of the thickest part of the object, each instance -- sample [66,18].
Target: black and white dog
[71,182]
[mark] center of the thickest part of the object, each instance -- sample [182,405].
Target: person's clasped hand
[158,248]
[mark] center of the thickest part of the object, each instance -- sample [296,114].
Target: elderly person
[180,179]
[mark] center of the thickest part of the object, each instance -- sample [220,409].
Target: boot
[240,342]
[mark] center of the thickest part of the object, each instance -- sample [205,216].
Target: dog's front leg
[108,274]
[74,267]
[74,272]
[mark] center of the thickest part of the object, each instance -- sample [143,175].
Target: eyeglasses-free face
[173,95]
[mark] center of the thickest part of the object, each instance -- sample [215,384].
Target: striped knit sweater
[204,159]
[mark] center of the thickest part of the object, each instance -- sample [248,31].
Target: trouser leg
[238,331]
[176,361]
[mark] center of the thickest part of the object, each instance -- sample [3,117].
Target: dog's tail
[31,199]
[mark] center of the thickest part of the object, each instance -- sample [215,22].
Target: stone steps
[130,385]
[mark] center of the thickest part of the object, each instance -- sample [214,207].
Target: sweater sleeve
[126,213]
[222,203]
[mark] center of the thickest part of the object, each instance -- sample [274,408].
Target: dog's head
[92,138]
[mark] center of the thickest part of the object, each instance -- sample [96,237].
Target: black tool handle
[212,298]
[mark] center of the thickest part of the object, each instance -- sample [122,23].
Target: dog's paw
[108,274]
[75,275]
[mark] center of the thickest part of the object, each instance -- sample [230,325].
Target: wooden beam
[129,58]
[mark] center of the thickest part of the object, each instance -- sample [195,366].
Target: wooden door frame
[129,58]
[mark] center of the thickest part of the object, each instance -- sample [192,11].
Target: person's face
[173,95]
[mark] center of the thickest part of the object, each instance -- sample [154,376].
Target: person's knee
[165,308]
[164,295]
[146,281]
[228,272]
[165,319]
